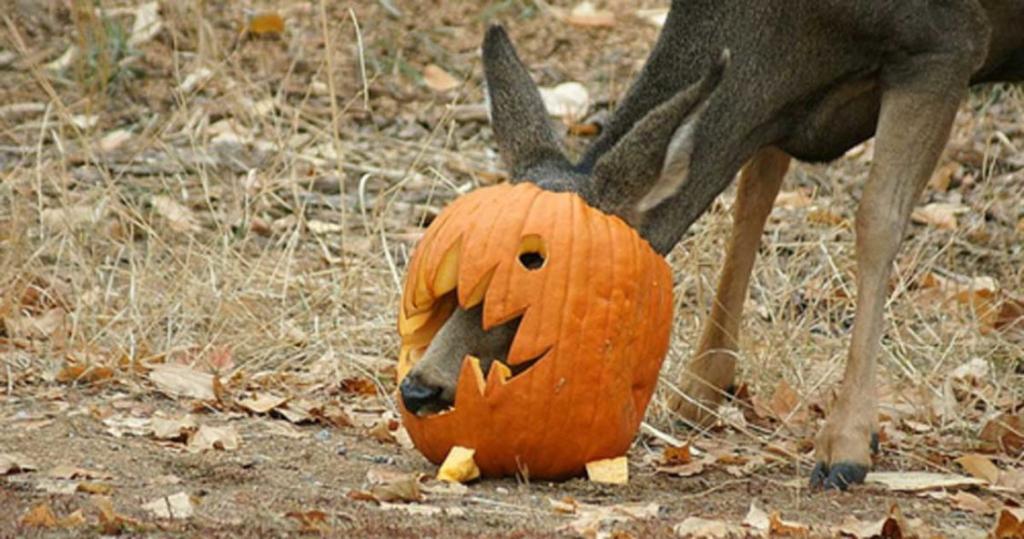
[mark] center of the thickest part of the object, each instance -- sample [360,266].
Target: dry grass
[270,191]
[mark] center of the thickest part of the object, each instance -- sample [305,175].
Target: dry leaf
[178,217]
[146,25]
[785,528]
[893,526]
[183,381]
[359,385]
[757,519]
[12,463]
[569,100]
[459,466]
[73,472]
[703,528]
[793,199]
[175,506]
[266,24]
[173,429]
[614,471]
[439,80]
[969,502]
[112,523]
[919,481]
[1005,432]
[825,217]
[1010,524]
[114,140]
[90,487]
[119,426]
[73,520]
[40,516]
[78,372]
[683,470]
[587,16]
[675,456]
[979,466]
[70,218]
[592,518]
[396,487]
[1010,316]
[207,437]
[785,405]
[943,176]
[938,214]
[311,522]
[262,403]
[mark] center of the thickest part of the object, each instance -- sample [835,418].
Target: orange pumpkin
[595,319]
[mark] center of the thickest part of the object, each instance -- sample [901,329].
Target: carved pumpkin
[596,307]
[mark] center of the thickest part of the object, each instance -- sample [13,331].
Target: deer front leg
[712,370]
[914,124]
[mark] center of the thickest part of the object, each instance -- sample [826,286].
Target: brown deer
[809,79]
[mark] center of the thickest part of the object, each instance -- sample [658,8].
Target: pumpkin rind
[597,314]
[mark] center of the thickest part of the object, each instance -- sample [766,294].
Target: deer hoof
[837,476]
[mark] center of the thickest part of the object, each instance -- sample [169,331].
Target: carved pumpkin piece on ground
[595,303]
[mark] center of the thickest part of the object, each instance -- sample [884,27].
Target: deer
[740,89]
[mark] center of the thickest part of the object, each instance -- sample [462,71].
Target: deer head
[643,169]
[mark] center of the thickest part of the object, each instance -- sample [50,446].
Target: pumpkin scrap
[613,471]
[458,466]
[594,303]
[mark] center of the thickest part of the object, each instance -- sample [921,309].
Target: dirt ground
[204,222]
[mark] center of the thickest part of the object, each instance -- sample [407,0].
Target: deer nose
[416,395]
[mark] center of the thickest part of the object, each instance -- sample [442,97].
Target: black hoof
[838,476]
[874,443]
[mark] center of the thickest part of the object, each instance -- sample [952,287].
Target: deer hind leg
[916,114]
[712,370]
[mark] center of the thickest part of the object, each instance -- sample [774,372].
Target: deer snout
[419,397]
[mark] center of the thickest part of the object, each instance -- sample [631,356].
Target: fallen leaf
[267,23]
[73,472]
[683,470]
[919,481]
[12,463]
[458,466]
[785,528]
[311,522]
[697,527]
[147,24]
[382,433]
[1010,316]
[395,487]
[785,405]
[90,487]
[175,506]
[81,373]
[207,437]
[179,218]
[1009,524]
[113,140]
[119,426]
[675,456]
[70,218]
[613,471]
[825,217]
[439,80]
[111,522]
[173,428]
[587,16]
[281,428]
[940,215]
[359,385]
[39,516]
[1005,432]
[893,526]
[262,403]
[969,502]
[793,199]
[183,381]
[73,520]
[591,519]
[757,519]
[943,176]
[979,466]
[569,100]
[974,371]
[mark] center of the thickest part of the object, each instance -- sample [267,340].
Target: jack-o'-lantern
[594,303]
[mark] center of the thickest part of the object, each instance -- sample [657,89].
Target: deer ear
[520,121]
[651,162]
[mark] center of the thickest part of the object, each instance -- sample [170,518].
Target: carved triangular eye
[532,254]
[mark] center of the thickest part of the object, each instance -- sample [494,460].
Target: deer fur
[808,79]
